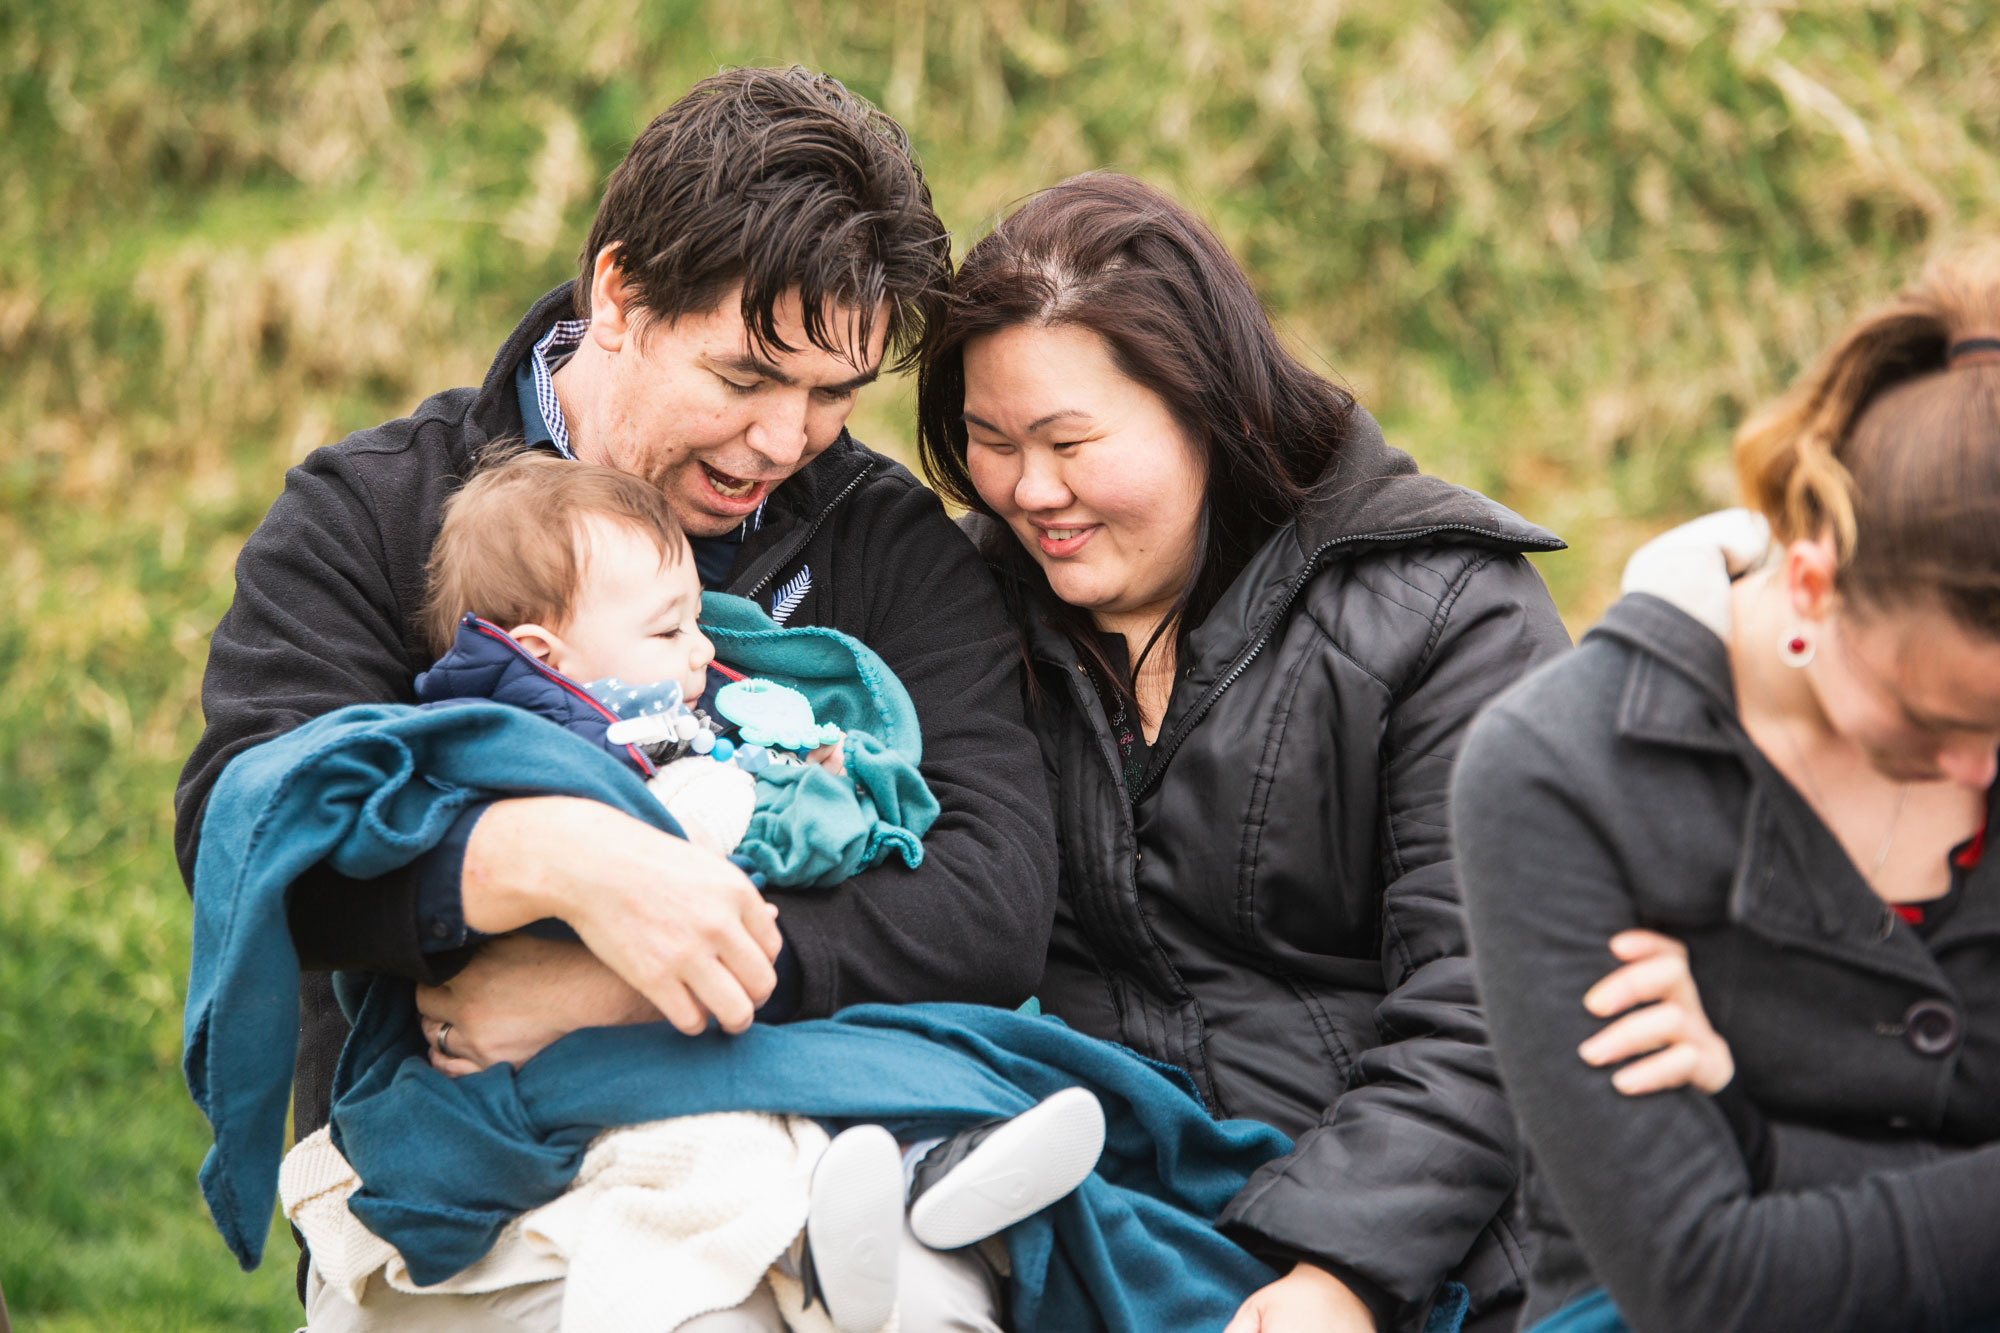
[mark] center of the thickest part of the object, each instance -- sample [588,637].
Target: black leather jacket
[1277,912]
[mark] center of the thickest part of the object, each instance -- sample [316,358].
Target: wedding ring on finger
[444,1030]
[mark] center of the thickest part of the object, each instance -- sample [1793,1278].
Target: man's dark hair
[783,180]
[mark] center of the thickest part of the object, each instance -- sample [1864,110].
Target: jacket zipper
[1163,754]
[811,532]
[1107,740]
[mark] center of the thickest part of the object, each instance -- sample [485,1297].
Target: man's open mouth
[728,487]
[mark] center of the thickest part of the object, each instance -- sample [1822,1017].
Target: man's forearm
[679,926]
[406,923]
[342,924]
[410,923]
[520,861]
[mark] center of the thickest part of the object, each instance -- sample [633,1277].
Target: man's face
[699,409]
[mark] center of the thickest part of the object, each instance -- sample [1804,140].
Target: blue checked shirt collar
[565,335]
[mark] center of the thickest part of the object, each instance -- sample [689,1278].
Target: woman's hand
[1665,1019]
[517,995]
[1305,1300]
[1691,566]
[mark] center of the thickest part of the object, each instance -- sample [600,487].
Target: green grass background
[1560,247]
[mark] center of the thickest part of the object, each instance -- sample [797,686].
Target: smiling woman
[1256,634]
[1106,495]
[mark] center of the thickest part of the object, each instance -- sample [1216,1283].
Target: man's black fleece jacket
[328,593]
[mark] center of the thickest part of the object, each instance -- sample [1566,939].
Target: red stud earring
[1796,650]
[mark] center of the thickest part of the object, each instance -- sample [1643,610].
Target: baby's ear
[544,643]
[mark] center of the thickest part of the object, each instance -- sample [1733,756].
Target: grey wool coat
[1617,789]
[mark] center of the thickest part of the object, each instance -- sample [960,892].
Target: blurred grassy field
[1558,247]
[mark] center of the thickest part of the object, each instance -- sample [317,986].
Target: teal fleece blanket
[365,789]
[810,828]
[450,1162]
[447,1161]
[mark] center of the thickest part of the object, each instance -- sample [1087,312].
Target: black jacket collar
[1373,495]
[1679,690]
[1371,498]
[796,510]
[497,409]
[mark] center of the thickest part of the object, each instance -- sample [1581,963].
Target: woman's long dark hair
[1107,253]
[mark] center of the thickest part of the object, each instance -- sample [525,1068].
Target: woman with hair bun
[1767,809]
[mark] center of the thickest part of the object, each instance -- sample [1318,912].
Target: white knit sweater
[665,1221]
[712,802]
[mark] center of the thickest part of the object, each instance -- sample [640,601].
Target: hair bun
[1897,458]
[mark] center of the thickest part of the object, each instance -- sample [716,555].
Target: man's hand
[1305,1300]
[681,926]
[1666,1024]
[516,996]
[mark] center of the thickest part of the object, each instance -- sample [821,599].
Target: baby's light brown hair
[513,544]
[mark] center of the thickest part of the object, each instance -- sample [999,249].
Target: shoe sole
[1023,1166]
[855,1227]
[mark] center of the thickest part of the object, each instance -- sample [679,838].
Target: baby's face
[634,616]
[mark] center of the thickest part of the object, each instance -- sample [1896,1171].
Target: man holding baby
[765,247]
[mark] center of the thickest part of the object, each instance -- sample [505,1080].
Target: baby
[569,589]
[572,592]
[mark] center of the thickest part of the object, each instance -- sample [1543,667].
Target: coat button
[1932,1027]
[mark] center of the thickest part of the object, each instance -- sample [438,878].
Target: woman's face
[1914,689]
[1087,466]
